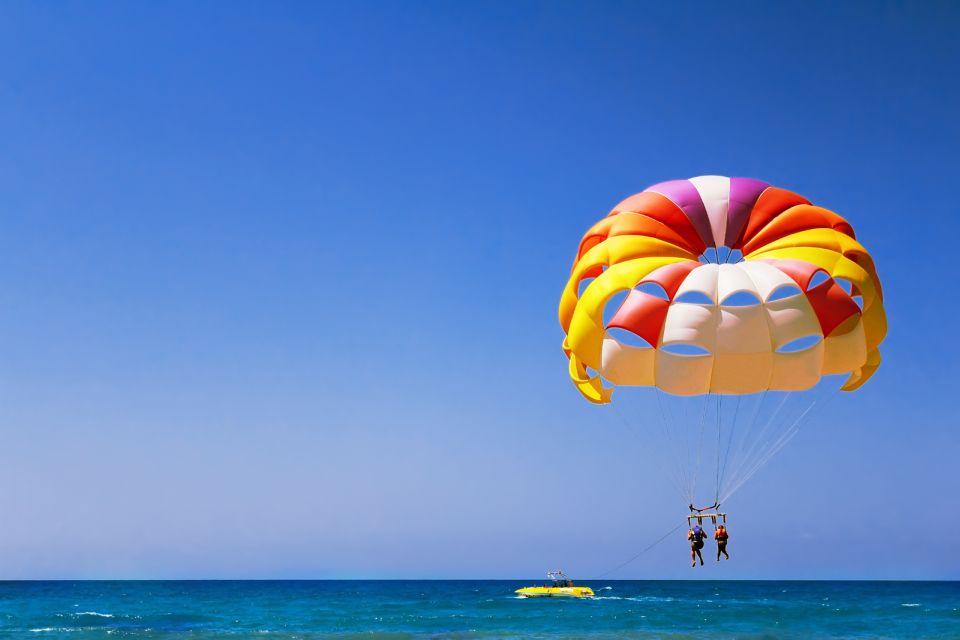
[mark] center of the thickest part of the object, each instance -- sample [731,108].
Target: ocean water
[477,609]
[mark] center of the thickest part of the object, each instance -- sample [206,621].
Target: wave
[636,598]
[95,613]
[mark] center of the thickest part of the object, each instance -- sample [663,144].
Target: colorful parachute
[714,288]
[729,285]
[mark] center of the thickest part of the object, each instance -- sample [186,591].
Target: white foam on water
[910,604]
[635,598]
[95,613]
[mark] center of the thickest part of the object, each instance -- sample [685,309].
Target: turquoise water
[477,609]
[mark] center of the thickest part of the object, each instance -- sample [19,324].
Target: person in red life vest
[696,537]
[720,535]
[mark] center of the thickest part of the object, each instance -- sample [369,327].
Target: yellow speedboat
[562,587]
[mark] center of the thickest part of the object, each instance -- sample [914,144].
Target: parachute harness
[712,512]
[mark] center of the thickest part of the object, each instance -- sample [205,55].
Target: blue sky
[279,282]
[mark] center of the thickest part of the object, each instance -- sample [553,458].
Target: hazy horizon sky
[280,282]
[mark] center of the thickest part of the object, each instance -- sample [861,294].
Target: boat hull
[555,592]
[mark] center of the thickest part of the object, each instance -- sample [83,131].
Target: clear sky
[279,281]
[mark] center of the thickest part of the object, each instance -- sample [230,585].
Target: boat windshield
[560,579]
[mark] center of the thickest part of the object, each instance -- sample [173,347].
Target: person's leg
[693,556]
[719,549]
[700,555]
[727,555]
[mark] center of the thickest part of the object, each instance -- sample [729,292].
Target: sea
[400,610]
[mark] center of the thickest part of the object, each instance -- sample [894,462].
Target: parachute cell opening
[613,305]
[845,284]
[628,338]
[652,289]
[685,349]
[741,299]
[800,344]
[693,297]
[818,279]
[783,292]
[582,286]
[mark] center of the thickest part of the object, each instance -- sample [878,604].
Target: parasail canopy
[717,285]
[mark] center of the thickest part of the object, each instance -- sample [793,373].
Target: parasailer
[721,536]
[728,301]
[696,536]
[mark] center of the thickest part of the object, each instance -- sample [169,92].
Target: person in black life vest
[720,535]
[696,537]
